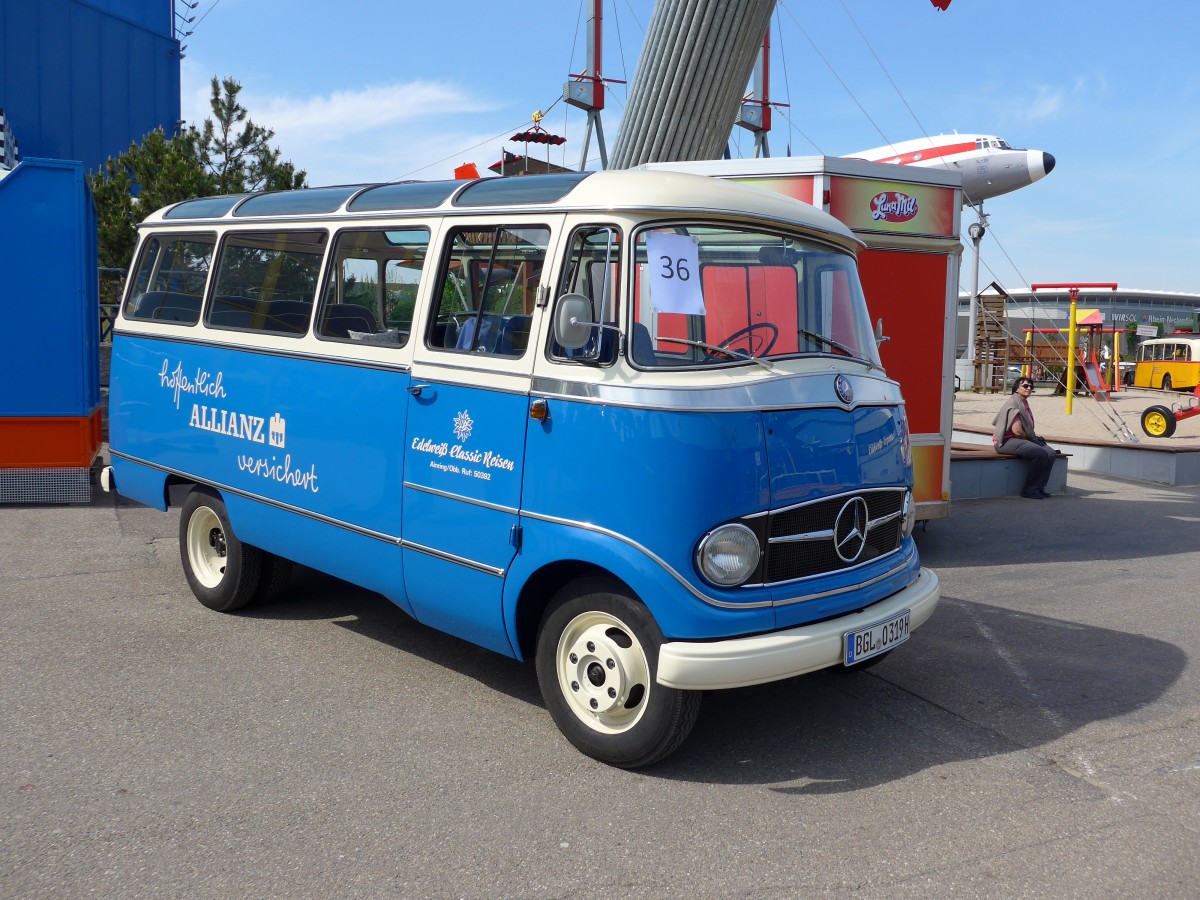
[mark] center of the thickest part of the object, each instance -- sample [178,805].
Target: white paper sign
[1147,331]
[674,267]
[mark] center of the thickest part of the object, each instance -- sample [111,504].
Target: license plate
[875,639]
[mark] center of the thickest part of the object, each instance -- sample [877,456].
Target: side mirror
[573,321]
[879,338]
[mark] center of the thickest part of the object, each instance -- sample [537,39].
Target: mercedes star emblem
[850,529]
[845,390]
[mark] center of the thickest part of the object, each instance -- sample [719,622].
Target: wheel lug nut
[573,658]
[591,647]
[611,663]
[574,685]
[594,703]
[612,692]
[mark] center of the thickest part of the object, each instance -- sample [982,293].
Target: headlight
[910,515]
[728,555]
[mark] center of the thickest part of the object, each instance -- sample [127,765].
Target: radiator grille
[818,524]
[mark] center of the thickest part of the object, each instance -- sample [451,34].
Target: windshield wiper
[728,351]
[829,342]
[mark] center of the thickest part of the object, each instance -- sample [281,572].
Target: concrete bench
[978,471]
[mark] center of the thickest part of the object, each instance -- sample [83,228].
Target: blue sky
[373,90]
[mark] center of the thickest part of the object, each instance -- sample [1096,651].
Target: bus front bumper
[739,662]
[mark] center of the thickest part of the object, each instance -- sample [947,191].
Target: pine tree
[228,154]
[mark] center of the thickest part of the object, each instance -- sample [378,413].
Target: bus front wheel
[1166,383]
[596,658]
[222,572]
[1158,421]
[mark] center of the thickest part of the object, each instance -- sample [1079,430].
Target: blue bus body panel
[661,480]
[322,439]
[815,452]
[464,462]
[372,563]
[335,459]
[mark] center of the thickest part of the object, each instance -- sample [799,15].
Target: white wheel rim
[603,672]
[206,547]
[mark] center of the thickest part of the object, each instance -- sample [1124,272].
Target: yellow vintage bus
[1170,363]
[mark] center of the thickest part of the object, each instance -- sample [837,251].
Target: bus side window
[169,284]
[487,291]
[593,270]
[267,281]
[371,290]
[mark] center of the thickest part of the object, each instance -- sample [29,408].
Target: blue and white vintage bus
[630,425]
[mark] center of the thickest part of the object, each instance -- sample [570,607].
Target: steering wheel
[748,333]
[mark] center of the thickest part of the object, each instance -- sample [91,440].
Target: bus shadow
[315,596]
[975,681]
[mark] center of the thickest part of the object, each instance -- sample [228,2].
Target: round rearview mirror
[573,321]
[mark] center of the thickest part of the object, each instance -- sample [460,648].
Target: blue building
[83,79]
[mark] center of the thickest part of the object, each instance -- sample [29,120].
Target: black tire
[597,656]
[1166,383]
[222,572]
[274,577]
[1158,421]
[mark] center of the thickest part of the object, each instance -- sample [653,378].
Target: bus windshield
[717,295]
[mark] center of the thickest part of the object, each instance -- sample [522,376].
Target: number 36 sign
[674,268]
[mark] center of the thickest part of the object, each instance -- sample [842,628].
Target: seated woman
[1013,435]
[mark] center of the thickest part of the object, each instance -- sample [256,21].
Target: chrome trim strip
[449,496]
[862,584]
[827,534]
[318,517]
[500,573]
[402,368]
[786,582]
[286,507]
[436,378]
[722,604]
[690,588]
[450,557]
[824,535]
[791,391]
[897,489]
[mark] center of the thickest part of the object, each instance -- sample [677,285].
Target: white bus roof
[639,190]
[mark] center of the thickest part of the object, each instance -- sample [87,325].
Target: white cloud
[1047,103]
[345,114]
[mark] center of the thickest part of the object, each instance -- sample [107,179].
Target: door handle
[415,389]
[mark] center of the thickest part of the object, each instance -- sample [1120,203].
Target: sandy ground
[1091,421]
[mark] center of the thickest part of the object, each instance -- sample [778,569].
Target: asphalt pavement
[1039,737]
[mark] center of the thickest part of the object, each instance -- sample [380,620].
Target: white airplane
[989,166]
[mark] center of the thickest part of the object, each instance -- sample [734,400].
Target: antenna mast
[587,90]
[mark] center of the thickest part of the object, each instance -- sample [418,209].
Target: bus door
[468,409]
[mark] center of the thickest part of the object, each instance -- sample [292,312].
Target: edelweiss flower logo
[463,425]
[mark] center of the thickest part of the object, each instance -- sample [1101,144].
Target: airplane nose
[1038,164]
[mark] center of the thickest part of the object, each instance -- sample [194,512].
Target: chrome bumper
[738,662]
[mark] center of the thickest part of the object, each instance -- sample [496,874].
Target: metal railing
[112,284]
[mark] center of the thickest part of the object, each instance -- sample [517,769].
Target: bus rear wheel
[222,572]
[1166,383]
[596,659]
[1158,421]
